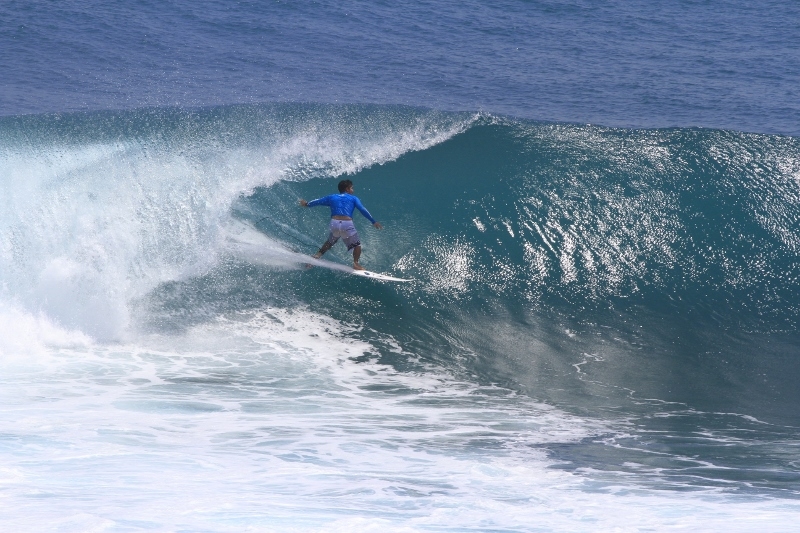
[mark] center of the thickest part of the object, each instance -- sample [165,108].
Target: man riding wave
[341,226]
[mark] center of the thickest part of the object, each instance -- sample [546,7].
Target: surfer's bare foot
[356,266]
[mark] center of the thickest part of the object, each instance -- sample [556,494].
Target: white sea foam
[263,421]
[25,337]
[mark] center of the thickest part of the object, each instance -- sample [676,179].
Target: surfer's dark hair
[344,185]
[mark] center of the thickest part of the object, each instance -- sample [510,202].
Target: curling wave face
[103,207]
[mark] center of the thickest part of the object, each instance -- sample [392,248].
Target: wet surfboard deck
[378,276]
[363,273]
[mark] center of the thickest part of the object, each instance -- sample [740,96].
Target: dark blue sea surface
[732,64]
[598,205]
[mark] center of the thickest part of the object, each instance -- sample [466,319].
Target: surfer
[342,206]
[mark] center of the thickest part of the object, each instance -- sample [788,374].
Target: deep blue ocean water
[599,205]
[733,65]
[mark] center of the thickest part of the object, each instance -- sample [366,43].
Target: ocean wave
[607,263]
[102,208]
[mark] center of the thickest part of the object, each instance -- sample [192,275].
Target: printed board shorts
[346,230]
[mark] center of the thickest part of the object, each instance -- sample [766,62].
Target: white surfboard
[375,275]
[342,268]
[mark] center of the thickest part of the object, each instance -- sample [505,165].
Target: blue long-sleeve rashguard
[342,204]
